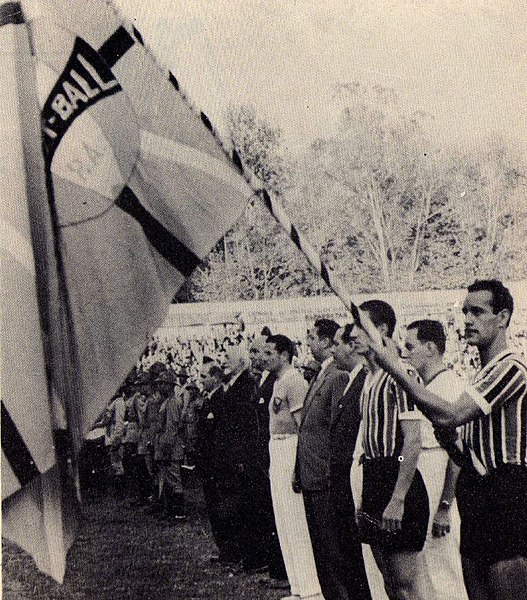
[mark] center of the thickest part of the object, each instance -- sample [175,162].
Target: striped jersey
[383,404]
[499,436]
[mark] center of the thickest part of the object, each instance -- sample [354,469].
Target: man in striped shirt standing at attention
[492,487]
[393,516]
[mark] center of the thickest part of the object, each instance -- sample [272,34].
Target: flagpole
[55,307]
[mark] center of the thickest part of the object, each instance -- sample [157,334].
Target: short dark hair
[207,360]
[283,344]
[430,331]
[380,313]
[266,332]
[326,328]
[501,297]
[346,334]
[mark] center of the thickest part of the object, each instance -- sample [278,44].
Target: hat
[312,365]
[156,369]
[182,373]
[142,379]
[166,377]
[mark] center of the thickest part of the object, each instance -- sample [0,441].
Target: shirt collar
[212,392]
[264,376]
[233,380]
[352,374]
[325,364]
[492,363]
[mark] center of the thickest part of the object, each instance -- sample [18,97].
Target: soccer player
[393,517]
[285,410]
[424,347]
[492,487]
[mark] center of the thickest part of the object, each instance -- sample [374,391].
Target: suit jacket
[170,439]
[235,437]
[312,464]
[345,422]
[207,418]
[262,398]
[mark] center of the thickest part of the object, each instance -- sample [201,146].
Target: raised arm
[440,412]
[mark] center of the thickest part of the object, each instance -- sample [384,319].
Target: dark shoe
[274,584]
[155,508]
[232,566]
[171,519]
[278,584]
[254,570]
[138,502]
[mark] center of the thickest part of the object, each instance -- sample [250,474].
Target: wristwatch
[444,504]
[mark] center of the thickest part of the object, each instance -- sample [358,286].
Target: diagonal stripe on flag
[16,450]
[176,253]
[116,46]
[195,159]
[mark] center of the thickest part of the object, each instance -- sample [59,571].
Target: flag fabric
[113,190]
[38,513]
[112,200]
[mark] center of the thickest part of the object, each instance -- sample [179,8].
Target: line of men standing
[233,456]
[370,452]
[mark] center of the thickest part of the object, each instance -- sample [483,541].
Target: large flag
[113,189]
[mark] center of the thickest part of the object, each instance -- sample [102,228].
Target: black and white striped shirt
[499,436]
[383,404]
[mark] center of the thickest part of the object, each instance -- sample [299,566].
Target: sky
[464,62]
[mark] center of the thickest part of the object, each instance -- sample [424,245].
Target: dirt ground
[121,553]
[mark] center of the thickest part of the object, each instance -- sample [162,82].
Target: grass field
[121,553]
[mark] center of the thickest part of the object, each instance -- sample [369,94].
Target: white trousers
[441,555]
[290,517]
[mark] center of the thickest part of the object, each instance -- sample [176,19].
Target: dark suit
[312,473]
[235,468]
[207,419]
[262,511]
[345,421]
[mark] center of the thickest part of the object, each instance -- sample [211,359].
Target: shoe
[232,567]
[188,467]
[171,519]
[155,508]
[256,570]
[278,584]
[138,502]
[274,584]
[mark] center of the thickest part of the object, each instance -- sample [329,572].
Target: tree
[256,259]
[386,207]
[492,212]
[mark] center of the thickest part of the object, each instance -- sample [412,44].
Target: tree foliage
[386,206]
